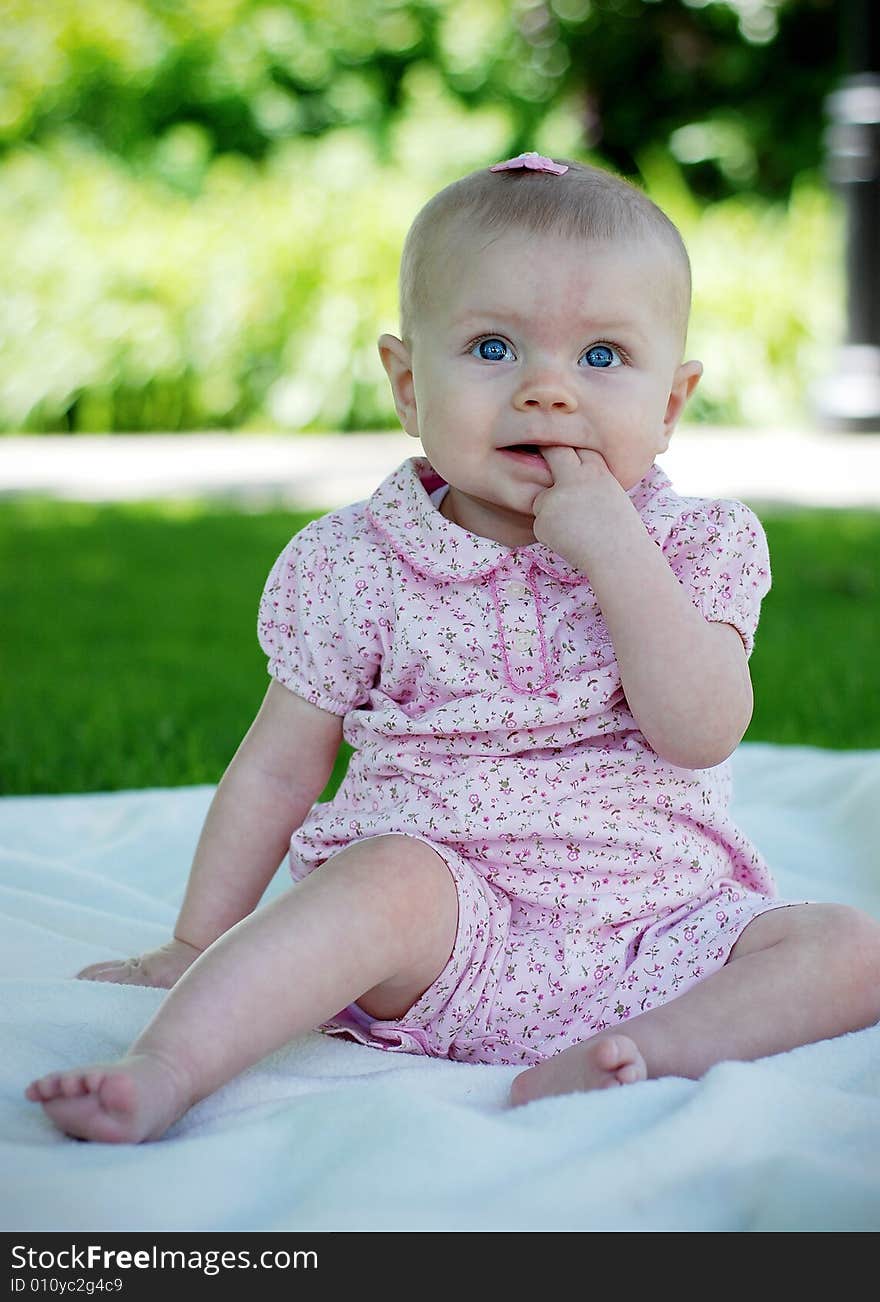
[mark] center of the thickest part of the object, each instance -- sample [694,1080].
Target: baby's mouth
[524,449]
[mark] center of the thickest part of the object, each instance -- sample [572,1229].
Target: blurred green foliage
[735,86]
[202,202]
[258,301]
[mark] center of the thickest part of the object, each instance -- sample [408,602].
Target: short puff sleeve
[316,643]
[718,552]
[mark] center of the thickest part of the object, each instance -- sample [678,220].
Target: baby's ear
[397,361]
[685,380]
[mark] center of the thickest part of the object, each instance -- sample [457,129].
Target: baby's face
[534,340]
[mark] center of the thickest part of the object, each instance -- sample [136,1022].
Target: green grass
[814,667]
[128,651]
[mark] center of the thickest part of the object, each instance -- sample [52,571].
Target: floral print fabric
[481,694]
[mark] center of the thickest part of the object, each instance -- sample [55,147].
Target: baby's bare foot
[123,1102]
[597,1064]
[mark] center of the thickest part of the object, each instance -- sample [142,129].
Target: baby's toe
[72,1085]
[629,1074]
[47,1087]
[609,1054]
[118,1093]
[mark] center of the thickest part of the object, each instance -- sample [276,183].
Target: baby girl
[539,653]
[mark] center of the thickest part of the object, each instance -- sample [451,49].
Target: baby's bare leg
[376,923]
[796,975]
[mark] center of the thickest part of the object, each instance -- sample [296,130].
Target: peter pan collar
[402,510]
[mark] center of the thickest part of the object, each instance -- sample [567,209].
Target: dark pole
[849,398]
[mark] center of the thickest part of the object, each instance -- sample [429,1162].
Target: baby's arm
[278,772]
[686,679]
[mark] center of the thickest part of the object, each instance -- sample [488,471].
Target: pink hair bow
[534,162]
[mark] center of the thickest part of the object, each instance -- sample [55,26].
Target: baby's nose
[545,391]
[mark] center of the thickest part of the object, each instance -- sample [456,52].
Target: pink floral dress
[481,694]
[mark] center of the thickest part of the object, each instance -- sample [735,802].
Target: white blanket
[330,1135]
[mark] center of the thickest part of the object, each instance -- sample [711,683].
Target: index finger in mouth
[563,454]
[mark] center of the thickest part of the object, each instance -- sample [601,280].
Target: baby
[538,651]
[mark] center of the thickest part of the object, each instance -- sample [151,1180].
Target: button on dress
[479,689]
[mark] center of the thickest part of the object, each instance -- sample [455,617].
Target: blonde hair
[585,203]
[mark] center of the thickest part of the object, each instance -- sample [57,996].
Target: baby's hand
[160,967]
[580,503]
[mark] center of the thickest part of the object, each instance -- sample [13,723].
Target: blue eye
[493,350]
[602,355]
